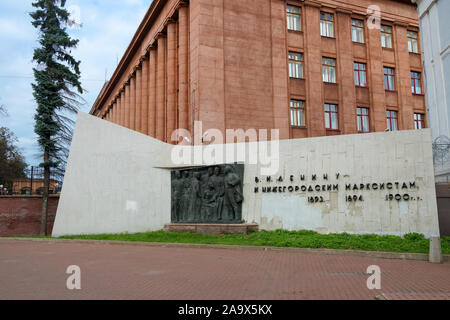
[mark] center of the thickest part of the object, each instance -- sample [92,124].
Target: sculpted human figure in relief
[233,193]
[219,186]
[207,195]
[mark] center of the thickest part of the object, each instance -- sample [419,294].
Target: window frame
[418,120]
[387,76]
[324,23]
[359,28]
[384,33]
[389,119]
[414,80]
[295,62]
[360,119]
[297,106]
[358,71]
[326,65]
[328,114]
[411,39]
[290,17]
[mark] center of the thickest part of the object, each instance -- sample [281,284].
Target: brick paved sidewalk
[36,270]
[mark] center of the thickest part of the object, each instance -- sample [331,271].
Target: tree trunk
[45,196]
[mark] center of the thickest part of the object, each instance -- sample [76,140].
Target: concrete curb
[354,253]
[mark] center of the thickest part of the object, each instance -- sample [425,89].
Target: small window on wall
[413,42]
[329,70]
[362,117]
[360,74]
[293,18]
[357,31]
[392,117]
[297,113]
[296,65]
[326,24]
[389,79]
[386,36]
[416,85]
[419,121]
[331,117]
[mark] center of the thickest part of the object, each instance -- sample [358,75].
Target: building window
[293,18]
[362,117]
[386,36]
[389,79]
[296,65]
[419,121]
[297,113]
[416,85]
[331,117]
[326,25]
[360,74]
[413,44]
[357,31]
[391,117]
[329,70]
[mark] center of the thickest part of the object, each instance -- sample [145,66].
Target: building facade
[24,186]
[435,31]
[308,68]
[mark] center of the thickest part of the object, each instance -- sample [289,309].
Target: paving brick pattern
[36,270]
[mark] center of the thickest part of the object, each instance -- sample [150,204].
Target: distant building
[435,35]
[23,186]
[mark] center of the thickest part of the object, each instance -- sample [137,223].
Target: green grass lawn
[413,242]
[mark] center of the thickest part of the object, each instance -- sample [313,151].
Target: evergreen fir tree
[56,89]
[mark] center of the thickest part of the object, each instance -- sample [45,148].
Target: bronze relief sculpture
[208,194]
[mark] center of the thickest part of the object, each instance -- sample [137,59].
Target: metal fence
[441,151]
[32,183]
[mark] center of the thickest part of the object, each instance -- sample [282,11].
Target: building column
[116,111]
[133,102]
[315,120]
[152,93]
[375,75]
[403,74]
[127,105]
[347,95]
[144,99]
[183,68]
[138,118]
[118,108]
[171,117]
[161,88]
[121,107]
[280,75]
[113,112]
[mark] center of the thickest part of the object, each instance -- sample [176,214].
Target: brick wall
[21,215]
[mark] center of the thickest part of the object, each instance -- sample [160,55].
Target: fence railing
[32,183]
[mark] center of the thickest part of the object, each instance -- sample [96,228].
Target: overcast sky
[107,28]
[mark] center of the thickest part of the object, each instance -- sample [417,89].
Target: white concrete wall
[112,182]
[115,183]
[401,156]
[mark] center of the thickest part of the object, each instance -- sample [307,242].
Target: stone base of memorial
[212,229]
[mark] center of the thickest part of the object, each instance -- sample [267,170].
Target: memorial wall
[119,181]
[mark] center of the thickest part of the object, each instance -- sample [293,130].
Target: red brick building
[306,67]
